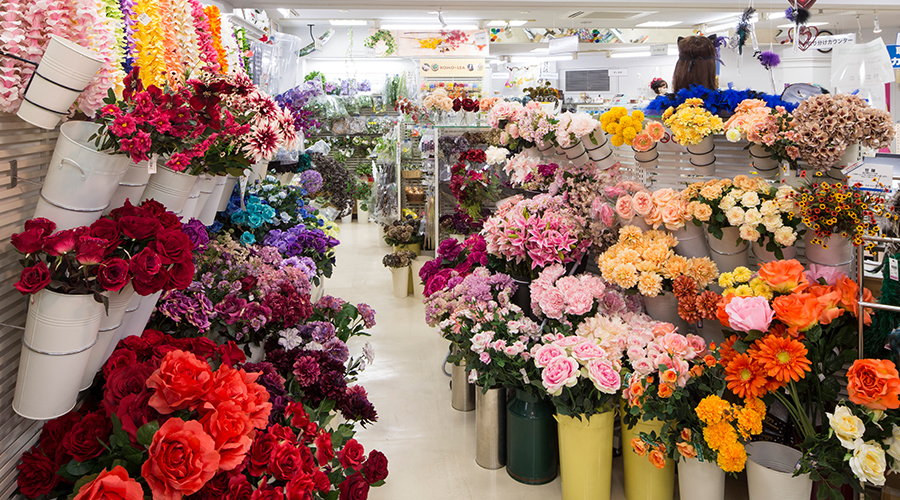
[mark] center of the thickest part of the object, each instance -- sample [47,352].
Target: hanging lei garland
[382,36]
[244,46]
[215,28]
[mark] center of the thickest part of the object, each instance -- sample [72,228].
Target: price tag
[151,165]
[895,269]
[143,18]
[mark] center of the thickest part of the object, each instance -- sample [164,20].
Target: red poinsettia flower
[132,83]
[206,96]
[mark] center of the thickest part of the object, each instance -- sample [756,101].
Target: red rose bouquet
[465,104]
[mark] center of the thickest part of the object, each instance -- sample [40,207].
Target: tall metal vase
[490,427]
[462,393]
[532,449]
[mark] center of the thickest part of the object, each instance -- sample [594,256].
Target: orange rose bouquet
[795,330]
[861,441]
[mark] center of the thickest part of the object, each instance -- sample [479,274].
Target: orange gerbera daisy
[781,358]
[745,377]
[726,351]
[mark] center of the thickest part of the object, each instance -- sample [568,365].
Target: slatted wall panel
[675,170]
[31,148]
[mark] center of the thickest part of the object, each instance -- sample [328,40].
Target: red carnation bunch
[472,187]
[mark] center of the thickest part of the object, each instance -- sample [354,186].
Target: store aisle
[429,445]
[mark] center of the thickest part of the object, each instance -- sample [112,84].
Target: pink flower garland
[204,36]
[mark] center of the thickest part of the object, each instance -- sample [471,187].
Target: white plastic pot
[362,216]
[765,166]
[725,253]
[647,159]
[65,70]
[700,480]
[170,188]
[691,241]
[544,147]
[576,152]
[596,151]
[664,307]
[835,251]
[59,333]
[400,277]
[770,473]
[80,180]
[762,255]
[109,326]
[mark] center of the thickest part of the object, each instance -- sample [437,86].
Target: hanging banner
[450,68]
[453,43]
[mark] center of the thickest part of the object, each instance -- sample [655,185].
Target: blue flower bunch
[256,214]
[721,102]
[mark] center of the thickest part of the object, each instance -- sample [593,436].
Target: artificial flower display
[722,102]
[763,213]
[622,127]
[571,127]
[644,260]
[472,186]
[555,234]
[690,122]
[649,137]
[403,258]
[834,209]
[826,125]
[566,301]
[403,232]
[453,257]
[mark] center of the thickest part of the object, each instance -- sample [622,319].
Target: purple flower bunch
[300,241]
[311,181]
[452,145]
[196,231]
[296,99]
[191,306]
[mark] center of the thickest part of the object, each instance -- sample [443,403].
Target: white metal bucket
[700,480]
[109,326]
[65,70]
[133,306]
[131,187]
[208,215]
[190,204]
[230,181]
[170,188]
[838,254]
[59,333]
[138,321]
[80,180]
[207,184]
[691,241]
[762,255]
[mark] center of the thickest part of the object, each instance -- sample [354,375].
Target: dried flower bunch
[403,258]
[827,124]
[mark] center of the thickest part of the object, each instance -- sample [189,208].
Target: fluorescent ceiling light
[348,22]
[535,60]
[620,55]
[427,26]
[821,23]
[544,50]
[658,24]
[496,24]
[285,13]
[775,15]
[518,23]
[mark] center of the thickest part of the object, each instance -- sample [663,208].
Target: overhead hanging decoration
[382,42]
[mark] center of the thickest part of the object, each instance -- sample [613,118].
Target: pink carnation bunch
[559,297]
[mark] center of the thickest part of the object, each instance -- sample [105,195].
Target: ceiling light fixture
[786,26]
[771,16]
[535,60]
[620,55]
[496,24]
[441,19]
[427,26]
[285,13]
[518,23]
[877,26]
[658,24]
[348,22]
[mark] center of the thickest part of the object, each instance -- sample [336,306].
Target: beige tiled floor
[430,446]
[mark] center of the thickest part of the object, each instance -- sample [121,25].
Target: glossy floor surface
[429,445]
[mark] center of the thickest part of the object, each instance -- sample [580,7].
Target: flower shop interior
[511,250]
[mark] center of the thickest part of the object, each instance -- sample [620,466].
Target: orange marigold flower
[732,458]
[639,447]
[745,378]
[758,406]
[783,359]
[658,459]
[749,422]
[712,409]
[719,435]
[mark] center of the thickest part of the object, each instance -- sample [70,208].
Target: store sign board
[894,53]
[661,49]
[564,45]
[618,72]
[829,41]
[443,68]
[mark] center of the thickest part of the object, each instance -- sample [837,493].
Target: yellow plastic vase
[643,481]
[413,247]
[585,456]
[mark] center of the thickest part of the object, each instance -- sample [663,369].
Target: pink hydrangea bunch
[558,297]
